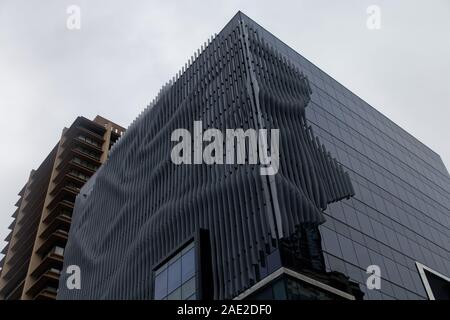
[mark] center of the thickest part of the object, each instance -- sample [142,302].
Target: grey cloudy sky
[126,50]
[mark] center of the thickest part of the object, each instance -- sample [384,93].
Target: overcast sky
[125,50]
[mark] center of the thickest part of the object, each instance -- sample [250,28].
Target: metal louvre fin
[142,206]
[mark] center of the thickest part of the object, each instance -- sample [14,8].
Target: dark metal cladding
[140,207]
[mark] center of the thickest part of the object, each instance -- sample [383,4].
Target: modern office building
[351,190]
[35,251]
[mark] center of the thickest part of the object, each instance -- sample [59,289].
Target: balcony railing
[53,259]
[49,279]
[57,238]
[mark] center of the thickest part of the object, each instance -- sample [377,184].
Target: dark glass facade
[393,211]
[175,279]
[400,212]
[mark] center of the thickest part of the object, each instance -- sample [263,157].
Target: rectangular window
[175,279]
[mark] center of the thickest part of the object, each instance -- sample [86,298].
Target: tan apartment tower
[35,250]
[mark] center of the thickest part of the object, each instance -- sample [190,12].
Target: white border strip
[423,276]
[296,275]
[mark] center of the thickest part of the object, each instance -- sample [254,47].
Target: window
[55,270]
[175,279]
[84,163]
[88,152]
[90,141]
[58,250]
[436,284]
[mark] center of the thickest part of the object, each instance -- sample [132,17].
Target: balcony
[8,237]
[81,147]
[64,194]
[5,249]
[61,222]
[82,170]
[69,181]
[86,129]
[33,206]
[18,203]
[63,207]
[54,259]
[56,239]
[81,156]
[18,260]
[74,169]
[22,191]
[27,226]
[49,279]
[48,293]
[83,142]
[11,226]
[92,135]
[16,293]
[87,155]
[18,276]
